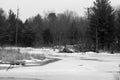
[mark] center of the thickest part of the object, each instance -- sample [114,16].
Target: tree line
[99,30]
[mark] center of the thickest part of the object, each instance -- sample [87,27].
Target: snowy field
[72,66]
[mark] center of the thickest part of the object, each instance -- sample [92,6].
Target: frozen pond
[78,66]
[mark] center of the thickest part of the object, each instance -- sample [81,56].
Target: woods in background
[100,30]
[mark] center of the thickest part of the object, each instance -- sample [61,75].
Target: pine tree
[37,27]
[47,37]
[11,27]
[3,23]
[102,24]
[52,19]
[118,29]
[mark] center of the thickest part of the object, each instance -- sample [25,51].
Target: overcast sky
[29,8]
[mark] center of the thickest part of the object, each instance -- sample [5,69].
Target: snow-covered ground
[72,66]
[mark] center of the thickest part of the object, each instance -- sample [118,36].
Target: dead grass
[8,55]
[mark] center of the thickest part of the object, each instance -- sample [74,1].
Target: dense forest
[98,30]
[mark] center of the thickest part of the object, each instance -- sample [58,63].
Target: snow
[72,66]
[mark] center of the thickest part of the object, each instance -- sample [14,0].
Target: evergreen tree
[47,37]
[28,35]
[102,24]
[11,30]
[37,27]
[118,29]
[3,24]
[52,19]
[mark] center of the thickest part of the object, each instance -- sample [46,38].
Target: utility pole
[16,37]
